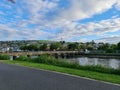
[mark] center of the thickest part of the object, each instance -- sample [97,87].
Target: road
[21,78]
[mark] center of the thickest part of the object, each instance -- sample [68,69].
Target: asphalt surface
[21,78]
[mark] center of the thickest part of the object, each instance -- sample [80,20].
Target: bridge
[62,54]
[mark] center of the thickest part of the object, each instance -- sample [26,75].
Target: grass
[84,73]
[50,60]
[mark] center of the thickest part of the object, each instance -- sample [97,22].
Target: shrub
[23,58]
[4,57]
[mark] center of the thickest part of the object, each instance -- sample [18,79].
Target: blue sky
[69,20]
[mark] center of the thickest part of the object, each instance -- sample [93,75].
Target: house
[4,49]
[15,49]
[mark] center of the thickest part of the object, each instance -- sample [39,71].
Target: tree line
[62,46]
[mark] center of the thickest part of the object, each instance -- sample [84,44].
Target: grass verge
[50,60]
[84,73]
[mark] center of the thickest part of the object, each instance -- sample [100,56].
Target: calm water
[110,63]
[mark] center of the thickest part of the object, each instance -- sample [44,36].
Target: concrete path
[21,78]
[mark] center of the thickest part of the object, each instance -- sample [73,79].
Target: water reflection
[110,63]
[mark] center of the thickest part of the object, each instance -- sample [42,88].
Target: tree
[24,48]
[83,46]
[104,46]
[62,42]
[73,46]
[55,46]
[118,46]
[113,46]
[90,47]
[33,47]
[43,47]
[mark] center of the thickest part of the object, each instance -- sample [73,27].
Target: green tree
[62,42]
[90,47]
[83,46]
[73,46]
[118,46]
[24,48]
[43,47]
[33,47]
[104,46]
[55,46]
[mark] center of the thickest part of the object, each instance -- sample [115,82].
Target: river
[105,62]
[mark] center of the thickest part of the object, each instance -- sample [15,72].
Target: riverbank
[100,55]
[84,73]
[50,60]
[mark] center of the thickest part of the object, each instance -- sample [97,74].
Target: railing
[37,53]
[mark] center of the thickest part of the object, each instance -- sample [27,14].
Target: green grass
[84,73]
[50,60]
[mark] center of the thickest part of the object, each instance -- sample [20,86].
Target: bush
[23,58]
[44,59]
[110,50]
[4,57]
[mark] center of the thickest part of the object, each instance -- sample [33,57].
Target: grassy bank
[49,60]
[84,73]
[101,55]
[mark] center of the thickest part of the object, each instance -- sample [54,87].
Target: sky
[68,20]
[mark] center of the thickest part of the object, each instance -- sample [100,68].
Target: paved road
[20,78]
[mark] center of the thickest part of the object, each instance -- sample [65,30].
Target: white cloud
[112,39]
[38,8]
[81,9]
[118,4]
[74,29]
[10,33]
[37,11]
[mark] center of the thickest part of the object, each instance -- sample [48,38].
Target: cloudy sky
[69,20]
